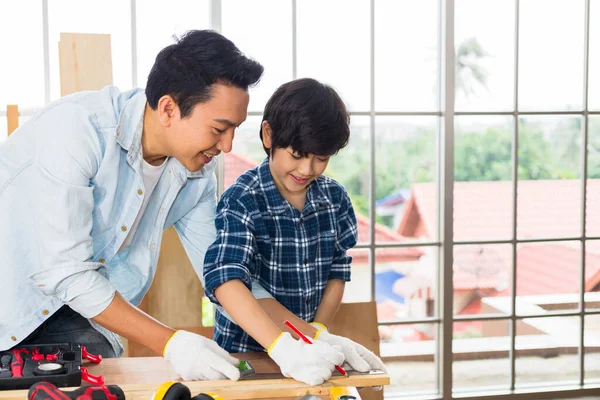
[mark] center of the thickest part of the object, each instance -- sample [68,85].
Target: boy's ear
[266,134]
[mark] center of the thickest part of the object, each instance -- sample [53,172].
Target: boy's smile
[299,181]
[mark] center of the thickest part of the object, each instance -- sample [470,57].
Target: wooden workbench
[139,377]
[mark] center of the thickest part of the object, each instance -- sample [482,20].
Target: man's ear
[167,110]
[266,134]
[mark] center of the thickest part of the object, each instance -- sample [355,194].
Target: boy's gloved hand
[357,356]
[195,357]
[308,363]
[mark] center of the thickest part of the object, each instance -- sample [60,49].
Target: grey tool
[5,371]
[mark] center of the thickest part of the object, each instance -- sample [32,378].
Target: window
[525,214]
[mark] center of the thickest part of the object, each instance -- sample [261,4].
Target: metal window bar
[372,153]
[134,58]
[27,112]
[446,195]
[584,160]
[515,177]
[46,39]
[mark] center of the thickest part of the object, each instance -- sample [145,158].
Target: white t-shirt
[151,174]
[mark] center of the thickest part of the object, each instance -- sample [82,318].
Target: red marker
[307,340]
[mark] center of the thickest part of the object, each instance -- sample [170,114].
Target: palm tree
[469,72]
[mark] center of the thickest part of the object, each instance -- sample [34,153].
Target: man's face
[293,173]
[209,129]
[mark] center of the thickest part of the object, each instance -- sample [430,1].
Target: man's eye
[219,131]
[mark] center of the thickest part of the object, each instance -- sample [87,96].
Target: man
[87,187]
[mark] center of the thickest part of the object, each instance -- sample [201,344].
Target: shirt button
[123,228]
[307,301]
[102,260]
[140,192]
[305,261]
[153,246]
[14,339]
[45,312]
[301,220]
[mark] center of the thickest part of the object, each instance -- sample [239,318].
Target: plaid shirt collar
[276,204]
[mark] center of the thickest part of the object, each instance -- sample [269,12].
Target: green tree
[593,171]
[488,156]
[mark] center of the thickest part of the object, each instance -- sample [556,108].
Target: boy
[285,227]
[87,187]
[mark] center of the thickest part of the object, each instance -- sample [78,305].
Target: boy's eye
[219,131]
[323,159]
[296,156]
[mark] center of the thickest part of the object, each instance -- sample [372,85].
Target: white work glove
[308,363]
[357,356]
[195,357]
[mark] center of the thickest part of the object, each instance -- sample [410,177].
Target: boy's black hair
[309,116]
[187,69]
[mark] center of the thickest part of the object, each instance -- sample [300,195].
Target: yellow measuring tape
[341,393]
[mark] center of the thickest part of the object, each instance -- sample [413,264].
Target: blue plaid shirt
[262,238]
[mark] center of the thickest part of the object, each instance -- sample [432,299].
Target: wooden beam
[12,115]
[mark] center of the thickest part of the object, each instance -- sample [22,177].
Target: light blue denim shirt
[70,188]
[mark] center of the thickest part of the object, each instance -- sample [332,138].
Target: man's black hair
[187,69]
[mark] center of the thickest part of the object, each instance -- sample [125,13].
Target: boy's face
[210,128]
[293,173]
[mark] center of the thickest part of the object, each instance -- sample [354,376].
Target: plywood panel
[85,62]
[175,297]
[358,322]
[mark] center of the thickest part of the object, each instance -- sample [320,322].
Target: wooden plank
[85,62]
[12,115]
[139,377]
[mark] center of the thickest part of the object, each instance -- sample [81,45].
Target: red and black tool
[47,391]
[42,355]
[16,366]
[90,357]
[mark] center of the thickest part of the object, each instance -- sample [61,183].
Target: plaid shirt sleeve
[347,236]
[230,256]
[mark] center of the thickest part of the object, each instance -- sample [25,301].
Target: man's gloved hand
[309,363]
[357,356]
[195,357]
